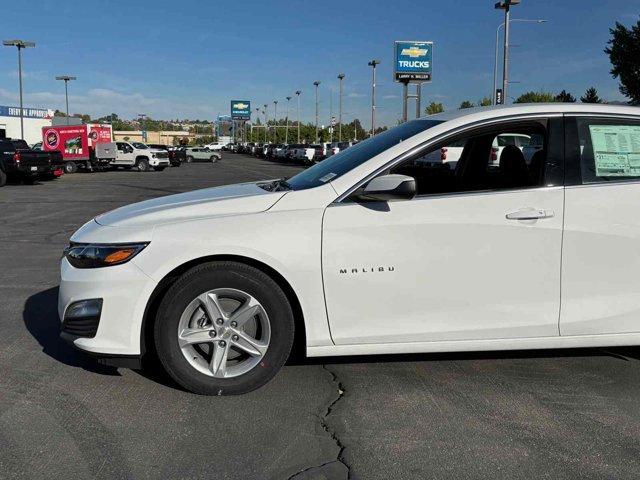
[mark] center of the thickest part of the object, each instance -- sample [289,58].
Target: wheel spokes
[245,313]
[211,305]
[218,363]
[247,343]
[189,336]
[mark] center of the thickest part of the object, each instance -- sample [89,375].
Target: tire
[197,376]
[70,167]
[189,159]
[142,164]
[3,178]
[213,159]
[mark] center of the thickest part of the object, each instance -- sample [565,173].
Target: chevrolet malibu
[382,248]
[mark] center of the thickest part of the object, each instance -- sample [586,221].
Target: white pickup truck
[133,155]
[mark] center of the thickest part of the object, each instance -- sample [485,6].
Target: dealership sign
[240,109]
[26,112]
[413,61]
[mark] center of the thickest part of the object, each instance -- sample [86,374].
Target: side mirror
[390,187]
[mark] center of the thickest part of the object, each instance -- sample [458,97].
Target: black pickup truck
[17,160]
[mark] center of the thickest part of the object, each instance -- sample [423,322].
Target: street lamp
[275,121]
[495,64]
[316,83]
[20,44]
[506,6]
[373,64]
[266,121]
[340,77]
[66,79]
[286,130]
[298,92]
[257,136]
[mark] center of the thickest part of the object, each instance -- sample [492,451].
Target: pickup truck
[174,158]
[133,155]
[18,160]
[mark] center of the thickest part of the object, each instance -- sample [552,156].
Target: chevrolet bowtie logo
[414,52]
[240,106]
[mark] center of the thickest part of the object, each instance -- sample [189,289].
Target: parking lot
[546,414]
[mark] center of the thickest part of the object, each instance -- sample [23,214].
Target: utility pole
[331,115]
[298,92]
[66,79]
[340,77]
[506,6]
[20,44]
[316,83]
[286,131]
[257,131]
[373,64]
[275,121]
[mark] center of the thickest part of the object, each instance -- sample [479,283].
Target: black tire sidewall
[223,275]
[143,164]
[3,178]
[70,167]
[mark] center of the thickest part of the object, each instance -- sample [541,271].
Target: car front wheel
[223,328]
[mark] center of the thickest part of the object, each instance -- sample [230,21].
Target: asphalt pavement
[515,415]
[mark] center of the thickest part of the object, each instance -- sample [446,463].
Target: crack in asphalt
[333,473]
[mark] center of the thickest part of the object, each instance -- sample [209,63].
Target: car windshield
[348,159]
[140,146]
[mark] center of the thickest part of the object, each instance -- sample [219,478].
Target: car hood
[209,202]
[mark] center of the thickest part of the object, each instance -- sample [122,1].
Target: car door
[125,154]
[601,252]
[470,264]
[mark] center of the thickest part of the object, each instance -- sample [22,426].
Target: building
[165,137]
[34,119]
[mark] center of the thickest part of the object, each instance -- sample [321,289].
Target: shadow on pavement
[40,316]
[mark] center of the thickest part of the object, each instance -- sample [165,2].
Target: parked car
[308,154]
[532,256]
[200,154]
[19,161]
[337,147]
[174,158]
[215,146]
[136,155]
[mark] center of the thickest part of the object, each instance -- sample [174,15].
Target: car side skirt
[579,341]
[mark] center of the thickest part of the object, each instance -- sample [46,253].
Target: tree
[624,53]
[485,102]
[591,96]
[434,108]
[466,104]
[565,97]
[536,97]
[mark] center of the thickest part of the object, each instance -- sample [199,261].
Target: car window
[609,149]
[346,160]
[477,161]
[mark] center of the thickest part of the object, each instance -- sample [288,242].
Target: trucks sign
[240,109]
[413,61]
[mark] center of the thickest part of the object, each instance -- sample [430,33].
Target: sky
[188,59]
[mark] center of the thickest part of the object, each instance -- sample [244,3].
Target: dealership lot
[550,414]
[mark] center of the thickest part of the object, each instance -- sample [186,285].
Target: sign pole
[418,98]
[405,99]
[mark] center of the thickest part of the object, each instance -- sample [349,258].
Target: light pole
[495,64]
[286,131]
[506,6]
[66,79]
[298,92]
[266,121]
[20,44]
[373,64]
[257,135]
[316,83]
[142,134]
[340,77]
[275,121]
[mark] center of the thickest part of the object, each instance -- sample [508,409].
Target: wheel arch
[146,332]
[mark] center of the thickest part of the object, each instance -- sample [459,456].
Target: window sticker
[327,177]
[616,150]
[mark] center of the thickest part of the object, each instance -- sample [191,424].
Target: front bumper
[159,162]
[124,290]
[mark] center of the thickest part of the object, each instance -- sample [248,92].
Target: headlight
[153,155]
[87,255]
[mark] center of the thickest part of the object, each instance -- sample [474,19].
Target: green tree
[434,108]
[591,96]
[466,104]
[485,102]
[624,53]
[536,97]
[565,97]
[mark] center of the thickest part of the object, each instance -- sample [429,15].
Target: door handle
[530,214]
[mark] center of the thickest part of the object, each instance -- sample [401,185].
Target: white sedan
[373,252]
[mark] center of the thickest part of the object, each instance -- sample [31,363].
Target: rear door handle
[530,214]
